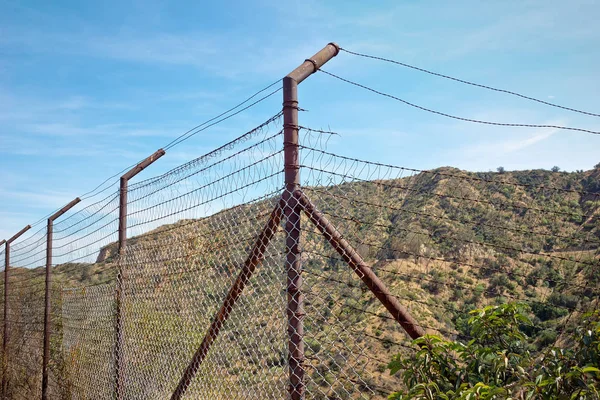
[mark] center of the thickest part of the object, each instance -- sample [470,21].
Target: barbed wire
[128,322]
[469,82]
[443,114]
[208,123]
[185,136]
[488,202]
[463,175]
[441,282]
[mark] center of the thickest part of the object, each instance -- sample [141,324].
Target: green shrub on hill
[498,361]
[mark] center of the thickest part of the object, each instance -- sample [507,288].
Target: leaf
[590,369]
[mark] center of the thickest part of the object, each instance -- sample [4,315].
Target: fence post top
[22,231]
[142,165]
[64,209]
[312,64]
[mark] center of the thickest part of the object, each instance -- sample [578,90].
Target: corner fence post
[293,264]
[6,288]
[47,332]
[123,187]
[292,210]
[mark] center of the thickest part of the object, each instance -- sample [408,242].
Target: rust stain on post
[254,259]
[49,233]
[6,290]
[399,312]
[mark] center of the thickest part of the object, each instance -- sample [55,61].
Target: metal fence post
[4,325]
[47,332]
[123,195]
[124,181]
[6,287]
[292,210]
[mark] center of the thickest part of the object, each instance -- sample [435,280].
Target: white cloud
[497,148]
[514,145]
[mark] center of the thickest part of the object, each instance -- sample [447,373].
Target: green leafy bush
[497,363]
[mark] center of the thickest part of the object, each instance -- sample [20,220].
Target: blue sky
[87,88]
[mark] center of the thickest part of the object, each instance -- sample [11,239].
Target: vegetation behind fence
[237,283]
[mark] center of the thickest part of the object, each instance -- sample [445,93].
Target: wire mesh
[25,315]
[88,342]
[176,277]
[444,242]
[173,288]
[207,299]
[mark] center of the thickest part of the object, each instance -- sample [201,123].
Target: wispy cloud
[526,28]
[509,145]
[38,199]
[224,55]
[128,46]
[102,130]
[27,146]
[19,108]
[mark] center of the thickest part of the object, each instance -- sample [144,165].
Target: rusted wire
[443,114]
[547,103]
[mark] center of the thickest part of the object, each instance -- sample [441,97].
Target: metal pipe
[360,267]
[293,263]
[123,187]
[2,242]
[123,195]
[311,65]
[49,234]
[292,210]
[5,338]
[6,289]
[254,259]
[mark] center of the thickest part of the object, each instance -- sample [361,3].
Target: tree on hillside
[497,363]
[500,170]
[555,169]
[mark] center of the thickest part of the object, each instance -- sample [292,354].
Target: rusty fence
[274,267]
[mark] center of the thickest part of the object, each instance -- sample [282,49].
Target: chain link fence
[212,299]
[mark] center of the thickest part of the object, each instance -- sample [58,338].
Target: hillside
[444,241]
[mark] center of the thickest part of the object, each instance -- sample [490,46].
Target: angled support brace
[254,259]
[360,267]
